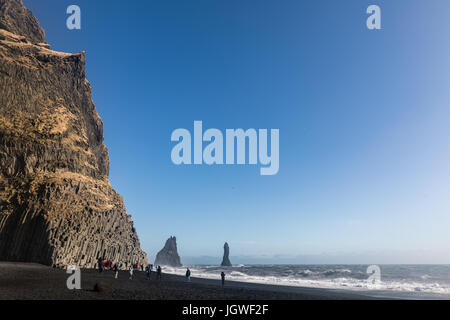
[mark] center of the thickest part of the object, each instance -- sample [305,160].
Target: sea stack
[226,256]
[168,256]
[57,206]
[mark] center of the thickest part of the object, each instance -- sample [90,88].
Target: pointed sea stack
[168,256]
[226,256]
[57,206]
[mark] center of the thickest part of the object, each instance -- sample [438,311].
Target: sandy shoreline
[27,281]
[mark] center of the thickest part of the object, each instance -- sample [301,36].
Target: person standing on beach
[131,272]
[100,265]
[116,271]
[188,275]
[159,272]
[148,271]
[222,275]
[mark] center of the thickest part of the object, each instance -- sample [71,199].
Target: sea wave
[337,278]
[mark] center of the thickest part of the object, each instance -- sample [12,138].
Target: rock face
[168,256]
[57,206]
[17,19]
[226,256]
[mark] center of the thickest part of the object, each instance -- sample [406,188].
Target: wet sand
[28,281]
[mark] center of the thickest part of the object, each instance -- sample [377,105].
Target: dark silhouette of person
[188,275]
[222,275]
[100,265]
[159,272]
[148,271]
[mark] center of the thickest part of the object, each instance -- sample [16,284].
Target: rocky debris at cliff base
[103,287]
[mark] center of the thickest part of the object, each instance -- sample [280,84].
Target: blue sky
[363,118]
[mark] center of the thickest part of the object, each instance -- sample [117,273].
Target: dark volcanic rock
[102,287]
[57,206]
[226,256]
[168,256]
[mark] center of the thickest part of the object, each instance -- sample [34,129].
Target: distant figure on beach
[159,272]
[148,271]
[131,272]
[100,265]
[222,275]
[116,271]
[188,275]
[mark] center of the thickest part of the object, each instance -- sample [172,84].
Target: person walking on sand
[147,271]
[159,272]
[222,275]
[131,272]
[188,275]
[116,271]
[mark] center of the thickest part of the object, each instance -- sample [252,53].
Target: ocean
[396,281]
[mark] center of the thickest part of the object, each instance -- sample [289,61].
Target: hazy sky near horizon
[363,118]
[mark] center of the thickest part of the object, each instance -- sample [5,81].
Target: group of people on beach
[104,265]
[148,271]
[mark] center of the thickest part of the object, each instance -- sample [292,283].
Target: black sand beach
[28,281]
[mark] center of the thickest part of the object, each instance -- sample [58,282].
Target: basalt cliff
[57,206]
